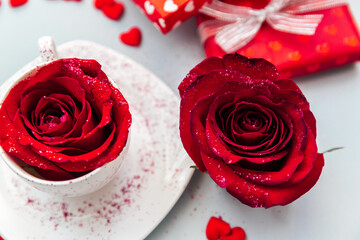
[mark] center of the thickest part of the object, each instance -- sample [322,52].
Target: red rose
[67,118]
[252,132]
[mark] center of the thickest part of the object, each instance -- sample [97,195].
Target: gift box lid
[168,14]
[335,40]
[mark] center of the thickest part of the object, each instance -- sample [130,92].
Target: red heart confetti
[17,3]
[216,228]
[219,229]
[113,10]
[101,3]
[237,233]
[131,37]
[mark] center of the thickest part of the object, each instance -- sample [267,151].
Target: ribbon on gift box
[235,26]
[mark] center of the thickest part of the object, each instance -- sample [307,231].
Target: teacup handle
[47,49]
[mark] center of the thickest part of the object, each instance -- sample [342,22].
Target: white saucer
[148,185]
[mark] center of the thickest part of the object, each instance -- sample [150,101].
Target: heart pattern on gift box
[338,12]
[189,7]
[149,8]
[331,29]
[323,48]
[170,6]
[294,56]
[275,45]
[162,22]
[351,41]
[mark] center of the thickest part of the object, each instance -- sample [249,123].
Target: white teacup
[79,186]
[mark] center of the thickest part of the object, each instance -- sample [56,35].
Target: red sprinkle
[113,10]
[131,37]
[17,3]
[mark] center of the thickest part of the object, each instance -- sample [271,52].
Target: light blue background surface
[331,210]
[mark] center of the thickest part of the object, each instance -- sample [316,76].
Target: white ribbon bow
[235,26]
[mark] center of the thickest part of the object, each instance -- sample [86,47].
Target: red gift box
[168,14]
[336,42]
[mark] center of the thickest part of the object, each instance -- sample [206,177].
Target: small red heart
[113,10]
[237,233]
[131,37]
[216,228]
[101,3]
[17,3]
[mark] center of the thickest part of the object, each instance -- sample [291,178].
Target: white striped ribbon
[235,26]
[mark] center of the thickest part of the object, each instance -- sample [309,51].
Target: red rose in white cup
[65,120]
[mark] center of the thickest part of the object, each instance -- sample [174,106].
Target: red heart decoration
[101,3]
[216,228]
[237,233]
[17,3]
[113,10]
[131,37]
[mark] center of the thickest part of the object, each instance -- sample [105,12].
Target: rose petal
[205,67]
[43,74]
[8,141]
[24,138]
[215,136]
[63,105]
[290,163]
[256,68]
[223,151]
[199,109]
[12,101]
[121,116]
[197,124]
[27,105]
[51,125]
[310,155]
[310,121]
[287,194]
[265,106]
[287,84]
[61,85]
[66,153]
[201,88]
[83,124]
[53,152]
[256,195]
